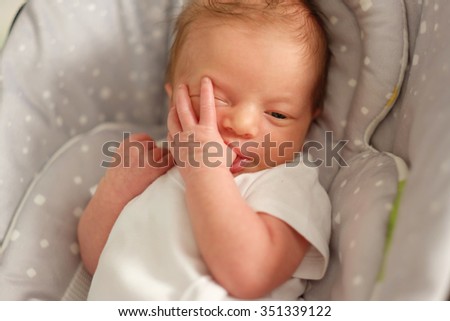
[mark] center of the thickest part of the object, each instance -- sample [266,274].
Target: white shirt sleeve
[294,195]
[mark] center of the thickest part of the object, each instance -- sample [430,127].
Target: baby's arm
[119,186]
[248,253]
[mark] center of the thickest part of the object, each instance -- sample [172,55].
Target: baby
[239,216]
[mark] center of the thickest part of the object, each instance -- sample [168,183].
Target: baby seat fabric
[77,74]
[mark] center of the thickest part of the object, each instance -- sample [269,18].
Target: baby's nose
[243,121]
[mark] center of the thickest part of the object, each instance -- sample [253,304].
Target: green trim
[391,227]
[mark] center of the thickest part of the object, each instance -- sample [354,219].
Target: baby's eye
[277,115]
[220,102]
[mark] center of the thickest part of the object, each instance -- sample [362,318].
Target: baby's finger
[207,103]
[173,122]
[185,112]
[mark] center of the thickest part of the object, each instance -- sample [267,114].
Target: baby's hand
[196,144]
[141,163]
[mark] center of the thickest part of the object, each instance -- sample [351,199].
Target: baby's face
[262,84]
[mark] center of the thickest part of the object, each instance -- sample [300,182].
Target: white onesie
[151,252]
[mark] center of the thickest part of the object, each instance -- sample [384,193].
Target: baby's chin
[247,166]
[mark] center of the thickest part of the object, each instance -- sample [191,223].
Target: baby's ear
[316,112]
[169,90]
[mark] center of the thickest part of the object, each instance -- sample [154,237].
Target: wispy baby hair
[300,18]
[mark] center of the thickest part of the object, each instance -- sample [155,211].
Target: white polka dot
[77,180]
[356,217]
[83,120]
[93,189]
[352,83]
[445,166]
[436,207]
[1,182]
[436,7]
[25,150]
[139,95]
[120,116]
[44,243]
[61,73]
[28,118]
[92,7]
[416,59]
[78,212]
[357,280]
[139,49]
[72,48]
[352,244]
[367,61]
[85,148]
[379,183]
[134,76]
[40,200]
[334,20]
[337,218]
[343,48]
[423,27]
[105,93]
[357,190]
[22,48]
[157,34]
[28,138]
[15,235]
[59,121]
[343,123]
[357,142]
[436,27]
[95,72]
[31,273]
[388,206]
[344,182]
[365,4]
[46,94]
[364,110]
[74,248]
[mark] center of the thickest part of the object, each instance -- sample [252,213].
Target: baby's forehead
[295,21]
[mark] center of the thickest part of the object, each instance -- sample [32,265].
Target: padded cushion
[373,34]
[418,264]
[41,253]
[362,200]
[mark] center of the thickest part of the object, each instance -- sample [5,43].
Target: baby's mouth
[240,163]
